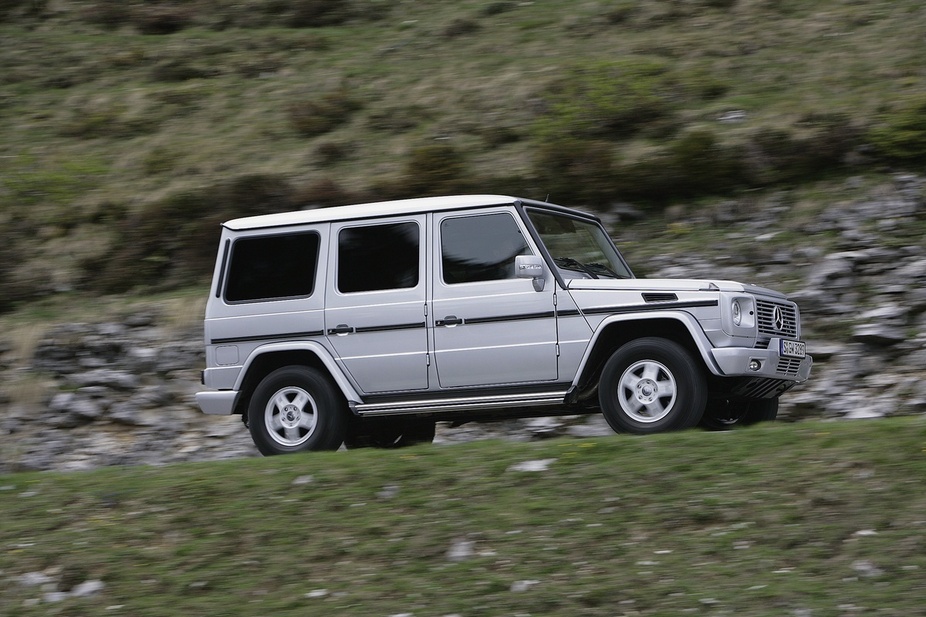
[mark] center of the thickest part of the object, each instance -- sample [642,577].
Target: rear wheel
[726,414]
[650,385]
[294,409]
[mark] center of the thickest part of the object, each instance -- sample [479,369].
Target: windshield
[580,249]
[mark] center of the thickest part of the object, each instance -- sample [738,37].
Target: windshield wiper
[603,269]
[574,264]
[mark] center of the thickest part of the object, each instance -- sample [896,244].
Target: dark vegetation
[133,128]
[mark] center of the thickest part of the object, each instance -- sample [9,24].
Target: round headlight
[737,313]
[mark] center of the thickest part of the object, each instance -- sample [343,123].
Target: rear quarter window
[272,267]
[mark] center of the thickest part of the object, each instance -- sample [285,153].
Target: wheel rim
[291,416]
[647,391]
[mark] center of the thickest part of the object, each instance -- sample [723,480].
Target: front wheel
[294,409]
[726,414]
[650,385]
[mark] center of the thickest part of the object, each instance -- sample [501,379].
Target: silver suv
[365,324]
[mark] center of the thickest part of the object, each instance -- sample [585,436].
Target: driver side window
[480,248]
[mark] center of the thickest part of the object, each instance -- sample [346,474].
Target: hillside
[131,129]
[790,519]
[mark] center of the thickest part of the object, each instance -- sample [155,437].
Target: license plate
[793,349]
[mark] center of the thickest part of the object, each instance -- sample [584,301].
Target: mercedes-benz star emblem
[779,318]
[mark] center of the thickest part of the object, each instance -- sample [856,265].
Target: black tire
[725,414]
[390,433]
[294,409]
[651,385]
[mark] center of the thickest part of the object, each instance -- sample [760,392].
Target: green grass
[810,518]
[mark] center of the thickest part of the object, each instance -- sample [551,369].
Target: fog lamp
[754,365]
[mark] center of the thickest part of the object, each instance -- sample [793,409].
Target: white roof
[370,210]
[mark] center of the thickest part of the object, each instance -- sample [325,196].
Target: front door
[490,328]
[375,309]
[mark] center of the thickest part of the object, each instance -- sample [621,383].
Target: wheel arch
[616,331]
[268,358]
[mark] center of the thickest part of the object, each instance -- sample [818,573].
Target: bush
[610,100]
[575,170]
[434,169]
[324,192]
[320,13]
[316,117]
[900,136]
[162,19]
[173,242]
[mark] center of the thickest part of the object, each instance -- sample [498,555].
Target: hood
[644,285]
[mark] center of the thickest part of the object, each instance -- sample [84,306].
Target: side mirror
[530,267]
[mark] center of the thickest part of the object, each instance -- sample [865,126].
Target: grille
[767,317]
[789,366]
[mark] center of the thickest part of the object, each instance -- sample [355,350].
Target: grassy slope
[91,129]
[811,518]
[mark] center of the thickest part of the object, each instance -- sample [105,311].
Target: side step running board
[443,405]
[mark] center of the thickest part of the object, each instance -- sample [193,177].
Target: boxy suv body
[365,324]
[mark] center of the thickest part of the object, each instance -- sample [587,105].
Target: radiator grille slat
[785,315]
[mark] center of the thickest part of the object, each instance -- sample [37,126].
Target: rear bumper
[217,402]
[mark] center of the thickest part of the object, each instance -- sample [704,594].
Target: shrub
[319,13]
[702,166]
[12,9]
[775,155]
[575,170]
[177,70]
[497,8]
[432,169]
[331,152]
[460,27]
[900,136]
[323,192]
[610,100]
[173,242]
[161,19]
[316,117]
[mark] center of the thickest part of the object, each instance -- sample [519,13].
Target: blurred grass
[810,518]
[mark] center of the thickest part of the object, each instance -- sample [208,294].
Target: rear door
[490,328]
[375,305]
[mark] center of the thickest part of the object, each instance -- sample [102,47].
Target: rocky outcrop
[121,392]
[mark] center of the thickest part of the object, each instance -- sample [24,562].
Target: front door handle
[341,329]
[449,320]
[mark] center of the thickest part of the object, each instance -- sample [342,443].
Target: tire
[391,433]
[295,409]
[651,385]
[725,414]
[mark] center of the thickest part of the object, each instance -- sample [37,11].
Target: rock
[878,335]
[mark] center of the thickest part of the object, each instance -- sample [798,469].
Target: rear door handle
[449,320]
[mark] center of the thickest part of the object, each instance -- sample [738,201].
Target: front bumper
[217,402]
[736,361]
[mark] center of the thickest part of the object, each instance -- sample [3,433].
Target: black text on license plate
[793,349]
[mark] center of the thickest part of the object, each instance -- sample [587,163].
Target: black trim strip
[501,318]
[266,337]
[398,326]
[634,308]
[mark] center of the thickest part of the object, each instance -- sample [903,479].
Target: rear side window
[272,267]
[378,257]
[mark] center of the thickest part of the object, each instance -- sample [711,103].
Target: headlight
[737,313]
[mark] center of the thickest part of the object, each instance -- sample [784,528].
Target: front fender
[645,323]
